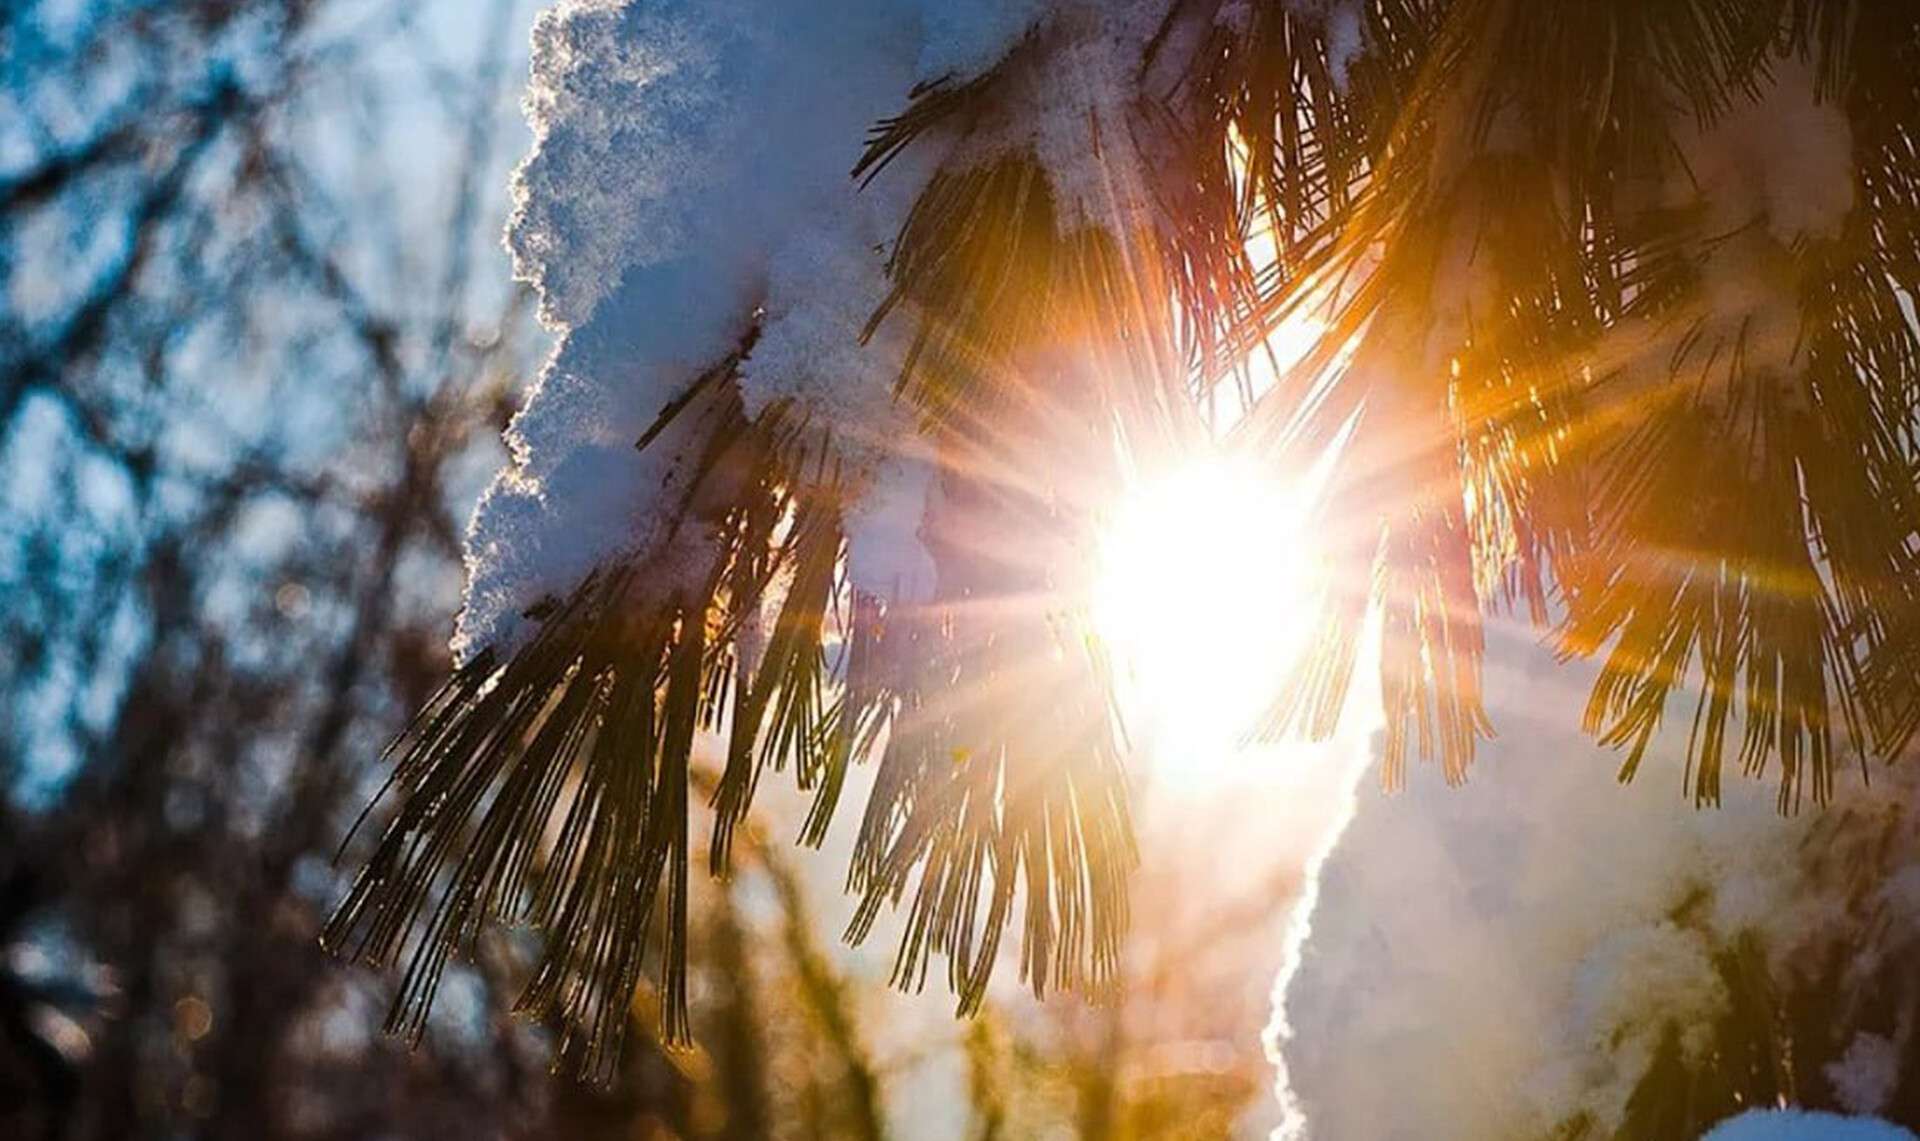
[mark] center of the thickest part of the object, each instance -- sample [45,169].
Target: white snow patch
[1505,956]
[1073,104]
[885,555]
[1343,25]
[690,165]
[822,286]
[1786,156]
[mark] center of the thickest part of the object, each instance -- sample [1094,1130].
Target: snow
[1798,1125]
[1506,956]
[1786,155]
[886,557]
[621,101]
[810,353]
[1079,102]
[1343,24]
[1346,31]
[822,286]
[1769,175]
[690,165]
[1071,102]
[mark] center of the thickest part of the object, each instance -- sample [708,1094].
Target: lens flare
[1204,596]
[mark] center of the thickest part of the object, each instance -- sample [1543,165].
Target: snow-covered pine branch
[814,462]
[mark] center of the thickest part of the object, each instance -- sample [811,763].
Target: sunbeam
[1204,580]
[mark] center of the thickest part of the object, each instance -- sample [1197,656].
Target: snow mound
[1516,954]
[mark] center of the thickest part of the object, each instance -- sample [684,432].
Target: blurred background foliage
[257,343]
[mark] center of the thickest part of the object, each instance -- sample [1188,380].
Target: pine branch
[1546,277]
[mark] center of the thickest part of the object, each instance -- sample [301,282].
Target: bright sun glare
[1204,596]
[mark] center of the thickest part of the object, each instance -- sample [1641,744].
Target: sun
[1204,595]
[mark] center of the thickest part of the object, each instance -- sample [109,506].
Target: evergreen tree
[1618,319]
